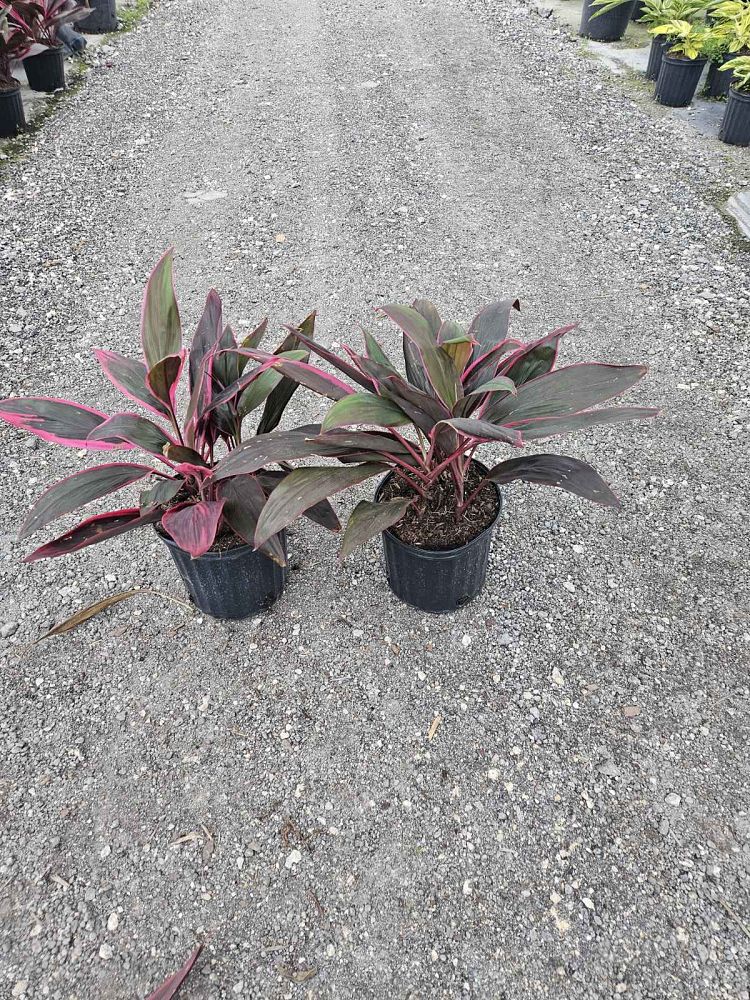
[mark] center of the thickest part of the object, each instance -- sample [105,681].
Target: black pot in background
[46,71]
[717,81]
[237,583]
[658,45]
[735,126]
[12,119]
[677,81]
[609,27]
[437,581]
[103,17]
[638,10]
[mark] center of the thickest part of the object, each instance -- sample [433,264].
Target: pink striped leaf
[161,333]
[79,489]
[164,378]
[135,431]
[95,529]
[58,421]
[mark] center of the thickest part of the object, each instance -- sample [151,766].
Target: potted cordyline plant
[43,19]
[436,504]
[207,524]
[735,125]
[15,43]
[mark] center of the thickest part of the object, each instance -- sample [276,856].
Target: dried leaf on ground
[94,609]
[295,975]
[436,723]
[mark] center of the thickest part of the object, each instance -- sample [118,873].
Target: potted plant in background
[436,505]
[655,13]
[735,126]
[207,524]
[101,19]
[717,79]
[45,70]
[15,43]
[682,62]
[605,20]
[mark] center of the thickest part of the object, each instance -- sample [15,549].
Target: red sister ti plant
[16,42]
[182,494]
[42,18]
[462,388]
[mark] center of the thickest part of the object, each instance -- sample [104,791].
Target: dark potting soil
[431,523]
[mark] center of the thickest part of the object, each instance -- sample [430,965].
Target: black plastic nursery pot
[718,81]
[655,53]
[12,119]
[609,27]
[437,580]
[236,583]
[639,9]
[678,79]
[46,71]
[735,126]
[103,17]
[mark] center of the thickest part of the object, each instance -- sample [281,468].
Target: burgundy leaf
[129,376]
[161,333]
[170,986]
[535,359]
[259,451]
[58,421]
[193,527]
[95,529]
[79,489]
[164,378]
[243,501]
[483,430]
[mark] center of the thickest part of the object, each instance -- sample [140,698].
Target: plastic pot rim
[212,556]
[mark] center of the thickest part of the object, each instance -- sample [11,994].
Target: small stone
[570,586]
[493,774]
[505,640]
[294,859]
[631,711]
[557,677]
[8,629]
[238,987]
[588,903]
[466,641]
[113,922]
[20,988]
[105,851]
[673,799]
[106,952]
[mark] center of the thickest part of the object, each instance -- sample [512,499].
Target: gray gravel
[579,824]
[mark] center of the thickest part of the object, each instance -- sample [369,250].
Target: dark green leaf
[134,430]
[363,408]
[369,519]
[543,427]
[484,429]
[489,328]
[161,492]
[567,474]
[435,363]
[244,500]
[536,359]
[565,391]
[304,487]
[259,451]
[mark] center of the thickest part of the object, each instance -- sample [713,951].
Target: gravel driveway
[579,823]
